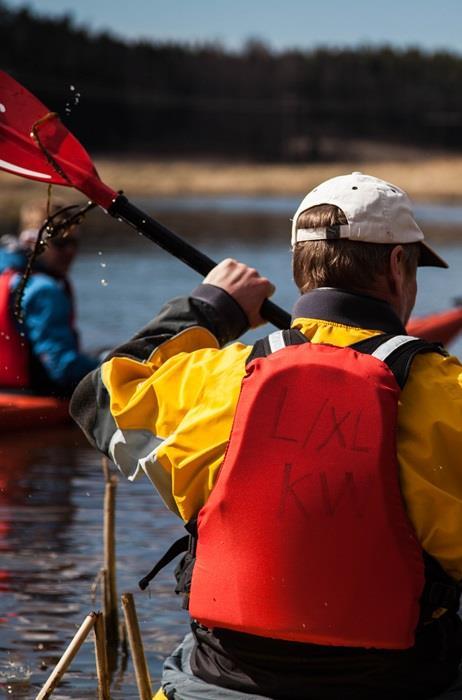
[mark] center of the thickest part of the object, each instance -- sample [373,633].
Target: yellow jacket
[169,414]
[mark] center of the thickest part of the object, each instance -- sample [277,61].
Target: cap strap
[329,233]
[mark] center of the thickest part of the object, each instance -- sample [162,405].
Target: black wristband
[222,310]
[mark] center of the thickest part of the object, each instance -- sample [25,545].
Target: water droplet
[104,283]
[103,264]
[73,100]
[2,108]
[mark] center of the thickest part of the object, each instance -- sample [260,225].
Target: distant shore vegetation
[178,101]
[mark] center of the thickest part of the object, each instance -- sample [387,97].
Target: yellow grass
[436,179]
[425,179]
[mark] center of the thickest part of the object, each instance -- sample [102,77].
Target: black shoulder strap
[397,351]
[276,341]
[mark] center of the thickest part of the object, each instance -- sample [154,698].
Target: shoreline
[435,179]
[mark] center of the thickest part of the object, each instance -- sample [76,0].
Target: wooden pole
[110,588]
[101,658]
[123,638]
[143,679]
[111,644]
[111,647]
[66,659]
[105,468]
[105,595]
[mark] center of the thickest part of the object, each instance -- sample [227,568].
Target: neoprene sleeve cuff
[228,318]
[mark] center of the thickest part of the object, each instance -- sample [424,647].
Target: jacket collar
[348,308]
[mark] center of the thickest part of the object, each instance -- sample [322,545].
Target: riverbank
[436,179]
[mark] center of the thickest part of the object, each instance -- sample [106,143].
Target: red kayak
[23,412]
[441,327]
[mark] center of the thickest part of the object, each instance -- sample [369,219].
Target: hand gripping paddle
[35,144]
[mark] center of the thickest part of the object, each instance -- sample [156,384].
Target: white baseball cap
[376,211]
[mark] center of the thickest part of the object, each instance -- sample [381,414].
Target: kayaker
[318,473]
[41,354]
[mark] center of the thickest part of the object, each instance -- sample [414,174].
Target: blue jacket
[57,365]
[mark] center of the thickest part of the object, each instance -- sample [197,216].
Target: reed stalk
[110,588]
[143,679]
[101,658]
[105,468]
[66,659]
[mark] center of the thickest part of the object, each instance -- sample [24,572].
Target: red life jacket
[305,536]
[14,353]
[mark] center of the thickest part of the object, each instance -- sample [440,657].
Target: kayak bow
[441,327]
[25,412]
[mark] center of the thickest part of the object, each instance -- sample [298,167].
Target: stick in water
[66,659]
[143,679]
[101,658]
[105,468]
[110,607]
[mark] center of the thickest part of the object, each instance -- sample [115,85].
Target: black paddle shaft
[169,241]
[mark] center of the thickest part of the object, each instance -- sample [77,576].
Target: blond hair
[341,262]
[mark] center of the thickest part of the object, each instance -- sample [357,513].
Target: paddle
[35,144]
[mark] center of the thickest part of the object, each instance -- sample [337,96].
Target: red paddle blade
[34,143]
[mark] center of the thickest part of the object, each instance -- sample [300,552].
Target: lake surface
[51,483]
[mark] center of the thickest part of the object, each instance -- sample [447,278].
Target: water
[52,485]
[51,520]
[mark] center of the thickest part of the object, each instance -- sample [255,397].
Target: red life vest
[14,353]
[305,536]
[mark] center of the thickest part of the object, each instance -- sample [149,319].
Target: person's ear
[397,269]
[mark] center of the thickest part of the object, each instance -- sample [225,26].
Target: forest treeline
[188,100]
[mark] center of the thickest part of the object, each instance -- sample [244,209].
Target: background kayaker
[341,579]
[41,354]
